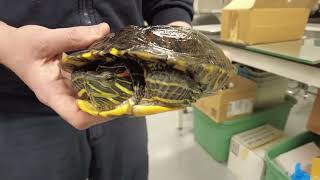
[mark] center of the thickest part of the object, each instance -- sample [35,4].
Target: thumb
[75,38]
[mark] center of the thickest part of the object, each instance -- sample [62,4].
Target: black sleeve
[157,12]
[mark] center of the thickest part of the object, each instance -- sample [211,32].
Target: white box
[247,150]
[303,154]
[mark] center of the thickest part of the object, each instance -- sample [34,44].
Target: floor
[174,155]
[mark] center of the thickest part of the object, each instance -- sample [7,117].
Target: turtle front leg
[120,110]
[126,108]
[81,58]
[87,107]
[144,110]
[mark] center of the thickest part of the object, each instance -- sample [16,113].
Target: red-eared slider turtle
[146,70]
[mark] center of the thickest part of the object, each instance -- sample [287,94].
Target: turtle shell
[183,49]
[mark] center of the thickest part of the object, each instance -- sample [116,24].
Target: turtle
[145,70]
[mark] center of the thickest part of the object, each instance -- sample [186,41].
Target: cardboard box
[247,151]
[230,103]
[314,120]
[303,154]
[265,21]
[315,170]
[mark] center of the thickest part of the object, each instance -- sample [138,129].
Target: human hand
[33,53]
[180,23]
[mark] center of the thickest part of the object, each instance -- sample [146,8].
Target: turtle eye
[119,70]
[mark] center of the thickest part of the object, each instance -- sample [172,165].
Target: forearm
[4,39]
[158,12]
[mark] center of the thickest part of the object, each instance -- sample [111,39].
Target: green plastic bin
[273,171]
[215,137]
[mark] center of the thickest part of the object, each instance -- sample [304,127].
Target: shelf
[309,75]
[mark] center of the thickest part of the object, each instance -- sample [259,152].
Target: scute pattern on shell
[174,45]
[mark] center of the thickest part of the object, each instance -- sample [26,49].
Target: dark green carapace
[147,70]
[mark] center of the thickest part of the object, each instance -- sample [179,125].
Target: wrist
[180,23]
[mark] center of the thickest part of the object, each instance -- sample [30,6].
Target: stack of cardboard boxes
[255,22]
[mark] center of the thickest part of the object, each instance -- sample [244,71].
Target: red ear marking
[124,74]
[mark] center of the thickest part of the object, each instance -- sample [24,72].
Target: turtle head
[105,87]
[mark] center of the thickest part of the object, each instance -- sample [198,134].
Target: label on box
[235,148]
[254,138]
[242,106]
[238,150]
[259,136]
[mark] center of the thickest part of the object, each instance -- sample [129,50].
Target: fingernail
[102,28]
